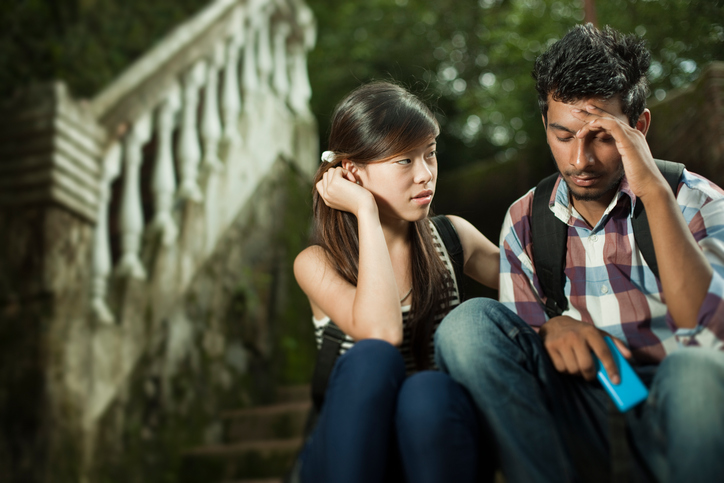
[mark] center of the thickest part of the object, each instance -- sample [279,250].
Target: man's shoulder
[694,182]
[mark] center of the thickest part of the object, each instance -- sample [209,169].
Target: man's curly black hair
[588,62]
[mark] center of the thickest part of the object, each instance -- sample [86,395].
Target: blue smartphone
[630,391]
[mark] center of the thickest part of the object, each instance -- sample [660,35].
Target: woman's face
[403,185]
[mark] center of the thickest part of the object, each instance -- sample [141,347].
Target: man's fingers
[600,348]
[557,360]
[585,363]
[625,351]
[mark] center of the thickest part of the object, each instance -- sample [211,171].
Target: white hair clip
[328,156]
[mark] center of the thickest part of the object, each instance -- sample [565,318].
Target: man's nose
[583,155]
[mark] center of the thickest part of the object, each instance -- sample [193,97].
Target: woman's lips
[423,197]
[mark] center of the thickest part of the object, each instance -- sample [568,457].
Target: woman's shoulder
[312,257]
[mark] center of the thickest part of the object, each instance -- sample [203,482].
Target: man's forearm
[684,271]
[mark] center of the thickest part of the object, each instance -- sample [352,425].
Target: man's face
[590,166]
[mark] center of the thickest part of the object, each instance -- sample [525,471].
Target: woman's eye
[563,140]
[403,161]
[432,154]
[605,139]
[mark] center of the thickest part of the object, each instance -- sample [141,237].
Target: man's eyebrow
[558,127]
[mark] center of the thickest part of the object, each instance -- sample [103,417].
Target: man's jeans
[554,427]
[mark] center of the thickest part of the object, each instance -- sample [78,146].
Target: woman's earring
[357,181]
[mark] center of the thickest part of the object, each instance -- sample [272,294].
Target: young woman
[378,269]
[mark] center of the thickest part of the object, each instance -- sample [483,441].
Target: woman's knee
[371,364]
[430,403]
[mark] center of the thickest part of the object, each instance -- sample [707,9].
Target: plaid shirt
[607,281]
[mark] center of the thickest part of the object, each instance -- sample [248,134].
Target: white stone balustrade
[262,50]
[189,147]
[211,116]
[249,73]
[264,56]
[163,181]
[281,68]
[131,209]
[110,169]
[230,92]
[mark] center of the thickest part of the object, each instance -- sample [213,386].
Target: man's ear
[644,122]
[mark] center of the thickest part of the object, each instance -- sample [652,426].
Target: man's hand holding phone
[578,348]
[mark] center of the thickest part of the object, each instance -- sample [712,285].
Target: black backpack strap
[550,240]
[332,339]
[672,173]
[454,248]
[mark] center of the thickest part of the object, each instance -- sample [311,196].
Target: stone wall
[241,328]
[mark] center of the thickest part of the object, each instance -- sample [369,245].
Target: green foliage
[86,43]
[475,58]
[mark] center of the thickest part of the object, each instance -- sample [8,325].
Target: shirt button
[593,238]
[604,289]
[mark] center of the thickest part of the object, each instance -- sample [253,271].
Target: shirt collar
[561,206]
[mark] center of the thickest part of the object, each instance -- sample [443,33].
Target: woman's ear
[352,170]
[348,165]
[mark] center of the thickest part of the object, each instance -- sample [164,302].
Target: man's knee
[473,329]
[689,383]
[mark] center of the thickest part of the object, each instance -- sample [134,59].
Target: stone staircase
[259,443]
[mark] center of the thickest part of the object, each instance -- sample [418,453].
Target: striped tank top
[453,296]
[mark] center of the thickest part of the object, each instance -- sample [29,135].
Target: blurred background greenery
[470,59]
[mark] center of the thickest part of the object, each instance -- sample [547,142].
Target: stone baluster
[189,149]
[250,76]
[163,181]
[230,91]
[131,220]
[265,60]
[211,116]
[281,71]
[301,90]
[110,169]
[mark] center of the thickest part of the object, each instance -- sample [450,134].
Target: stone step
[284,420]
[249,459]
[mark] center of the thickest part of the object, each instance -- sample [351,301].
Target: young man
[533,375]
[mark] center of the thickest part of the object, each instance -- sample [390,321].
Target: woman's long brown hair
[378,121]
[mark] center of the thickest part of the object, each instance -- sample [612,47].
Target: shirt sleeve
[519,286]
[702,204]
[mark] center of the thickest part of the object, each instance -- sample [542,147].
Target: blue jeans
[552,427]
[376,425]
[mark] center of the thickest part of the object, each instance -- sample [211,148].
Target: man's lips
[584,179]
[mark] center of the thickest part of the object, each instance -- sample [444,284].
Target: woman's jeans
[376,425]
[553,427]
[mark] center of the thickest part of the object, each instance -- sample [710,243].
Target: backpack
[549,239]
[550,235]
